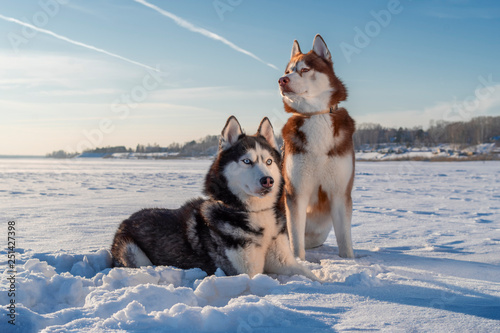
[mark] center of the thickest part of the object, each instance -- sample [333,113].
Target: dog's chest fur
[319,137]
[270,225]
[241,228]
[247,236]
[318,150]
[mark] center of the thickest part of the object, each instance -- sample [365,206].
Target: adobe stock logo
[48,10]
[373,28]
[484,95]
[222,7]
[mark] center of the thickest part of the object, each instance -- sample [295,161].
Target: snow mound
[363,279]
[148,298]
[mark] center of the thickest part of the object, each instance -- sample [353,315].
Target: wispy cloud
[74,42]
[211,93]
[30,72]
[191,27]
[473,106]
[78,92]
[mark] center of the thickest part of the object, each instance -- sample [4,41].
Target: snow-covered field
[426,237]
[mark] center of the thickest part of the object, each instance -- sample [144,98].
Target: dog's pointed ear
[266,130]
[320,48]
[295,48]
[230,133]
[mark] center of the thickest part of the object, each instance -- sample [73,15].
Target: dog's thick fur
[239,228]
[318,164]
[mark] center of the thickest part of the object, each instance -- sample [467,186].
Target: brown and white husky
[318,164]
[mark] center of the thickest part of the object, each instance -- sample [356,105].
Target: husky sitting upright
[318,164]
[240,227]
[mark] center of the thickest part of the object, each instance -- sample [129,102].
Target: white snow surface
[426,238]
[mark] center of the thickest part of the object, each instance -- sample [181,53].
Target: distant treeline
[61,154]
[206,146]
[477,130]
[202,147]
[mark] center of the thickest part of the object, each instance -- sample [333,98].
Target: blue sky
[83,78]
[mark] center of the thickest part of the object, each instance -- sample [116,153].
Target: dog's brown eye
[303,70]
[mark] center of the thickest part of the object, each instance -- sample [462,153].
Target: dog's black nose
[267,182]
[283,80]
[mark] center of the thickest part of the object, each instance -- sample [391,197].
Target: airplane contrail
[191,27]
[74,42]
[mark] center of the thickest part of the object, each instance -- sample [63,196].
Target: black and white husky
[239,228]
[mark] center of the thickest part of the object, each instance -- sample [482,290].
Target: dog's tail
[126,253]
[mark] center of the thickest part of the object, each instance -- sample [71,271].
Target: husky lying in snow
[240,227]
[318,164]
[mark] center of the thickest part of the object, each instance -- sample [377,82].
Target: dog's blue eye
[269,162]
[246,161]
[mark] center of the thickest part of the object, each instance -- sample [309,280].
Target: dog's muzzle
[267,185]
[267,182]
[283,83]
